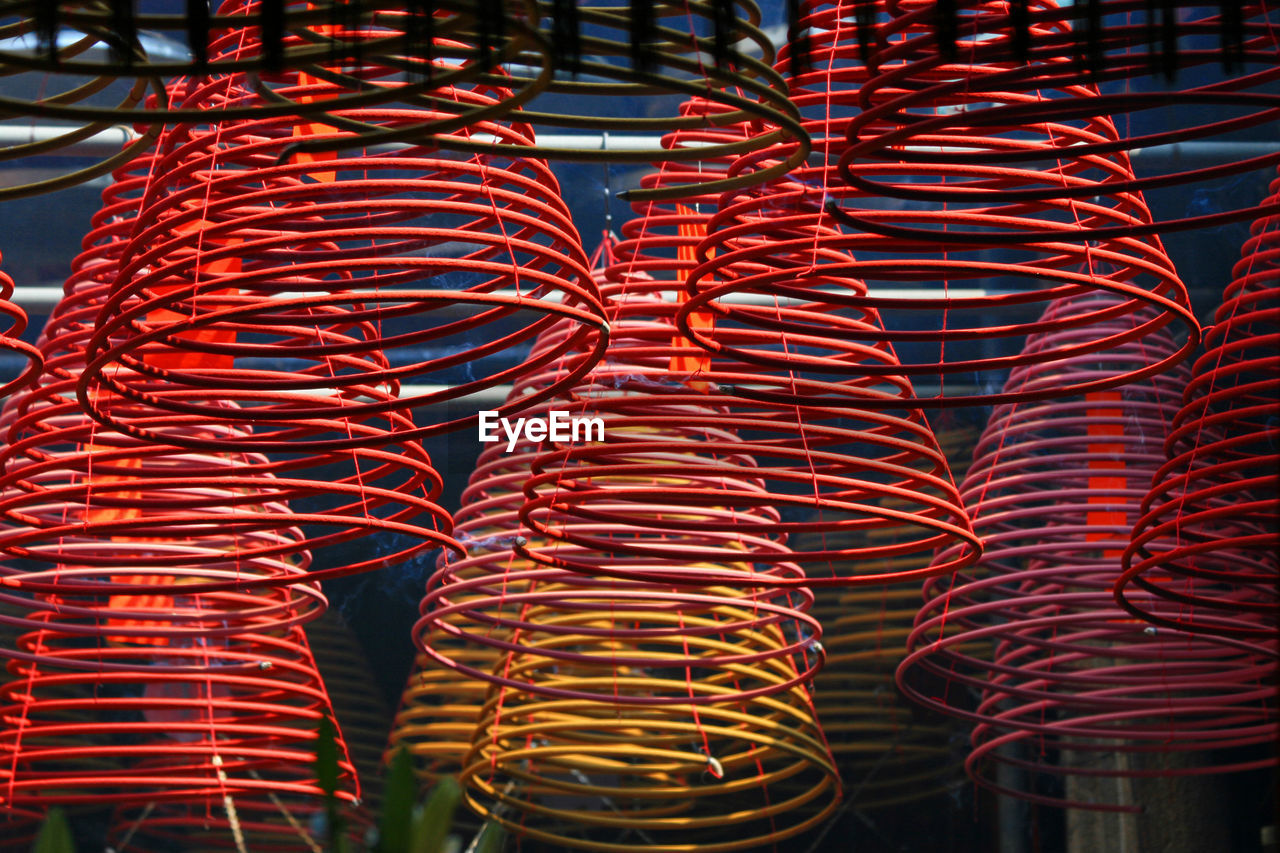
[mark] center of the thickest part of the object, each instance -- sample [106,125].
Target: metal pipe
[104,143]
[110,140]
[38,299]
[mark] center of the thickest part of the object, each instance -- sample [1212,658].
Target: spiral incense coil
[888,753]
[1204,553]
[148,493]
[1029,644]
[674,60]
[83,107]
[244,264]
[580,776]
[523,612]
[675,484]
[988,166]
[675,417]
[15,322]
[775,261]
[442,699]
[325,39]
[228,714]
[717,663]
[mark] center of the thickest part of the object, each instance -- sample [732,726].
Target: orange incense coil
[1029,645]
[1203,556]
[574,649]
[601,776]
[440,704]
[509,606]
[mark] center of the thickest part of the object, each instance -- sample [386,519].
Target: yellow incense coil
[602,776]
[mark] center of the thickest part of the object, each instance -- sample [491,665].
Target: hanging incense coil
[676,422]
[320,264]
[570,653]
[332,40]
[512,605]
[673,60]
[888,752]
[442,699]
[791,259]
[562,652]
[580,776]
[157,597]
[1204,554]
[1044,83]
[61,515]
[80,107]
[745,437]
[15,322]
[231,714]
[1029,645]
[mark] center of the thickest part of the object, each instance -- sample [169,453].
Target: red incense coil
[782,260]
[82,501]
[324,270]
[1045,88]
[686,453]
[1033,631]
[13,324]
[748,447]
[228,714]
[1204,553]
[160,595]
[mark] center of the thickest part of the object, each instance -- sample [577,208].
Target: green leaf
[55,834]
[397,804]
[435,816]
[492,838]
[327,756]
